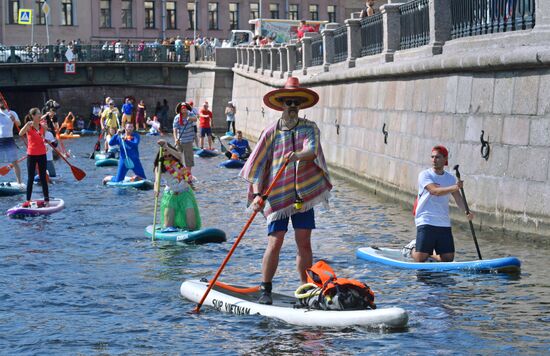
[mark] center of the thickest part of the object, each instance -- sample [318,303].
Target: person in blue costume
[128,144]
[239,148]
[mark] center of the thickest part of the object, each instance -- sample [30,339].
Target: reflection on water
[88,281]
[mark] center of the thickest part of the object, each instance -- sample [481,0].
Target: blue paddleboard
[394,258]
[232,163]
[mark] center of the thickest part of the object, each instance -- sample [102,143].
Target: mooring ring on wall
[485,148]
[385,132]
[263,112]
[337,125]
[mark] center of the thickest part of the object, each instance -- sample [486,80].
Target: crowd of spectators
[173,49]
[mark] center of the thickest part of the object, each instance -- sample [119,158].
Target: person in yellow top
[109,122]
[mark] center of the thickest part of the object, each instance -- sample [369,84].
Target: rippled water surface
[86,280]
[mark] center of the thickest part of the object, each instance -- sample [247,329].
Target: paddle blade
[78,173]
[128,163]
[4,170]
[92,155]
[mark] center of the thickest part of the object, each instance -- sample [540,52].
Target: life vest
[326,291]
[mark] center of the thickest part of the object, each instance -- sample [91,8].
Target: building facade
[95,21]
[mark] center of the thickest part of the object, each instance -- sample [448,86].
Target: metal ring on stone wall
[485,148]
[385,132]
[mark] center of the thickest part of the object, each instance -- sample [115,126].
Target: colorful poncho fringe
[305,180]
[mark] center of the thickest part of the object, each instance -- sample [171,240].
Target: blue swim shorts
[305,220]
[206,131]
[438,238]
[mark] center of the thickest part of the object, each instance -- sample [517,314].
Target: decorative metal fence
[479,17]
[317,51]
[415,24]
[372,39]
[95,53]
[340,44]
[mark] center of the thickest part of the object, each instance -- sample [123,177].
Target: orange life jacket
[322,275]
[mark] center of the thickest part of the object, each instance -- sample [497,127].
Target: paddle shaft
[236,243]
[77,172]
[468,212]
[157,192]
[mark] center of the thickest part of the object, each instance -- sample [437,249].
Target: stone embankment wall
[496,84]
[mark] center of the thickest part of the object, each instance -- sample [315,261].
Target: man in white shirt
[433,224]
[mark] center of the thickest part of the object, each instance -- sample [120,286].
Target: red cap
[443,151]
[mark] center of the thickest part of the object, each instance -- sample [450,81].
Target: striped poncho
[306,180]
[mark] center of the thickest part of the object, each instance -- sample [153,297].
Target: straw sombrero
[292,90]
[178,107]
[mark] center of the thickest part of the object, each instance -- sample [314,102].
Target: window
[40,18]
[126,13]
[274,11]
[212,15]
[149,14]
[171,23]
[191,13]
[105,13]
[314,12]
[67,12]
[293,12]
[331,9]
[254,10]
[13,11]
[233,16]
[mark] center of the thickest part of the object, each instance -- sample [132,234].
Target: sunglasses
[292,102]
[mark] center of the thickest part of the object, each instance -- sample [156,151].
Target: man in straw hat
[304,184]
[184,133]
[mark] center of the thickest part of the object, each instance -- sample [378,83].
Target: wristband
[264,197]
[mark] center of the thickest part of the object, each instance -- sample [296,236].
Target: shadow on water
[87,280]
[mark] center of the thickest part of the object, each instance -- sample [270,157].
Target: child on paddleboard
[178,208]
[35,130]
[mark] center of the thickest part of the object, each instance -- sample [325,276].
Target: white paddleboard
[283,309]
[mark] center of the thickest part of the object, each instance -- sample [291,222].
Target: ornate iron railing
[317,51]
[95,53]
[372,39]
[340,44]
[415,24]
[479,17]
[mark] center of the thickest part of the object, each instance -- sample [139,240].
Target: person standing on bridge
[304,183]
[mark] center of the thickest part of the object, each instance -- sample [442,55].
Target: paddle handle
[472,230]
[157,192]
[243,231]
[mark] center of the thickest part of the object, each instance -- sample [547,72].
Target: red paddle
[5,169]
[220,269]
[78,173]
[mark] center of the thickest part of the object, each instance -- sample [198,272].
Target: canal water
[87,280]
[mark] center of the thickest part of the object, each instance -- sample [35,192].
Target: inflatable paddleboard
[86,132]
[207,153]
[129,182]
[69,136]
[393,257]
[198,237]
[11,188]
[104,160]
[52,180]
[283,308]
[233,163]
[36,208]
